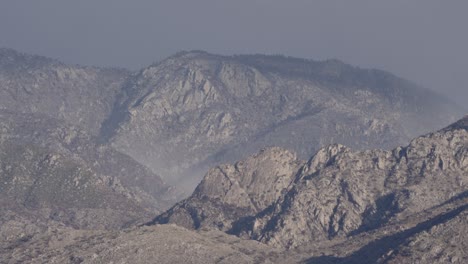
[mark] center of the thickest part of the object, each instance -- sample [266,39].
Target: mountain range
[194,110]
[279,159]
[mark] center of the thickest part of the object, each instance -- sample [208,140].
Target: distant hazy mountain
[341,201]
[195,110]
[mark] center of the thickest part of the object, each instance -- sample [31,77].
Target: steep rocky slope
[52,171]
[83,96]
[339,193]
[195,110]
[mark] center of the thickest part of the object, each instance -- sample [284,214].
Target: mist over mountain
[195,110]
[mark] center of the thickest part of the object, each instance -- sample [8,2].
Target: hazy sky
[423,40]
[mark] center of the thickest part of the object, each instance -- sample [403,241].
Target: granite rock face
[230,192]
[337,194]
[359,191]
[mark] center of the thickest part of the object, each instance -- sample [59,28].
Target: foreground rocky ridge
[436,235]
[158,244]
[337,195]
[342,206]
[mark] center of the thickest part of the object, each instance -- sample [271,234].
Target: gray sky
[423,40]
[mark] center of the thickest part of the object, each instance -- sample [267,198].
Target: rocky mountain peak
[253,183]
[11,60]
[192,54]
[325,156]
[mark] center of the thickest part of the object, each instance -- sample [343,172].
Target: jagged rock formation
[52,171]
[195,110]
[335,196]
